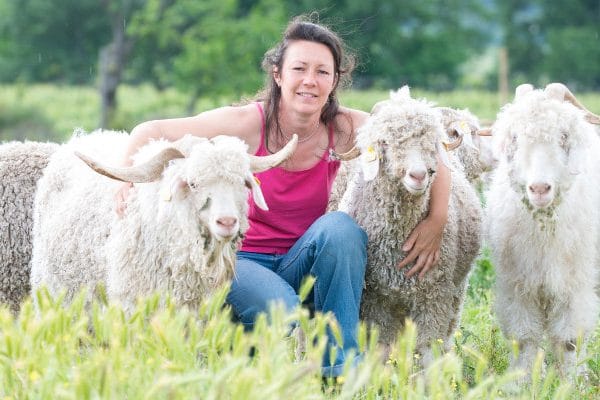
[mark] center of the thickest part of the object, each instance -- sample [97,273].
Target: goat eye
[206,204]
[193,185]
[431,171]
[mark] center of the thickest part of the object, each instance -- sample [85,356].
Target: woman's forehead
[308,52]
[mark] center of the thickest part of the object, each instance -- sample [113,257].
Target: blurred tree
[522,37]
[211,46]
[51,40]
[421,43]
[114,56]
[552,41]
[572,47]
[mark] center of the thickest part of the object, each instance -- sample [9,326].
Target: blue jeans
[333,250]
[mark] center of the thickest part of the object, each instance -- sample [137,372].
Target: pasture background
[52,112]
[171,354]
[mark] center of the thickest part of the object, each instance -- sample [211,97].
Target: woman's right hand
[121,198]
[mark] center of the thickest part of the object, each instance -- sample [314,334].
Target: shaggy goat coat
[547,258]
[396,131]
[21,165]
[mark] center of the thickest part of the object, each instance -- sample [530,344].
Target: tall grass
[161,352]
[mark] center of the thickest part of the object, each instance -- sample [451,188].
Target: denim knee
[256,288]
[341,229]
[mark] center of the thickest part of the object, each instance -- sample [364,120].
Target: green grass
[161,352]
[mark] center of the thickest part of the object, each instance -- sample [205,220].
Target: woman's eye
[323,72]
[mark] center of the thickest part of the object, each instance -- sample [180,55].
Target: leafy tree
[421,43]
[552,41]
[572,48]
[573,57]
[522,36]
[114,56]
[212,46]
[51,40]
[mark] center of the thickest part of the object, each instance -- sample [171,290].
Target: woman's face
[307,76]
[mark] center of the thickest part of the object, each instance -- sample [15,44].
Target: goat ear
[504,144]
[442,154]
[177,188]
[369,163]
[257,194]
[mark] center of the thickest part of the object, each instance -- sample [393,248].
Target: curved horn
[560,91]
[485,132]
[146,172]
[263,163]
[347,156]
[454,144]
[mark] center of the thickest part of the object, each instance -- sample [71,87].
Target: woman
[296,237]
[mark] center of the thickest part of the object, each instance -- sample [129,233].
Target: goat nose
[227,222]
[417,175]
[539,188]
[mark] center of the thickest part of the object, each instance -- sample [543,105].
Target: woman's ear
[276,76]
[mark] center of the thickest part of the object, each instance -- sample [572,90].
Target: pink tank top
[295,199]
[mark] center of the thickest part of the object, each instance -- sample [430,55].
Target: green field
[50,112]
[165,353]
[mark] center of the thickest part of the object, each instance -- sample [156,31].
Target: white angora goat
[388,196]
[543,223]
[182,225]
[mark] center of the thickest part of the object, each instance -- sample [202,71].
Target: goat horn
[347,156]
[146,172]
[485,132]
[263,163]
[449,146]
[562,92]
[522,89]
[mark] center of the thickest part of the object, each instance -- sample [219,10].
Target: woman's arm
[243,122]
[423,244]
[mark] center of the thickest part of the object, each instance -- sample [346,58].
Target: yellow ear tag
[165,193]
[371,154]
[369,163]
[463,128]
[256,180]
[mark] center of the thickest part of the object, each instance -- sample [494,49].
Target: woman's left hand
[423,247]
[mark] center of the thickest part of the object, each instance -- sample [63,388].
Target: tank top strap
[263,126]
[330,144]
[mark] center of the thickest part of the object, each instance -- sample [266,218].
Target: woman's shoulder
[350,118]
[347,122]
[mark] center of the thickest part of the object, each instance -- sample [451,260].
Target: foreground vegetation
[162,352]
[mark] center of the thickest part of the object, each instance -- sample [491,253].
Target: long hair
[300,28]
